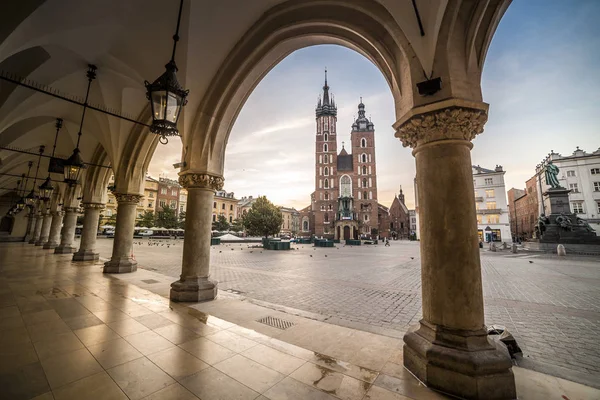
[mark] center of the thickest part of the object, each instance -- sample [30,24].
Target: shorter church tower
[365,184]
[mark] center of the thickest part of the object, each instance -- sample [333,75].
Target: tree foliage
[237,225]
[147,220]
[182,219]
[263,219]
[220,224]
[167,218]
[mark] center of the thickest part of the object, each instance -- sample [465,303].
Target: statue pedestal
[563,226]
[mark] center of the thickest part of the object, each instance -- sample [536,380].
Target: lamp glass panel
[159,104]
[72,172]
[173,105]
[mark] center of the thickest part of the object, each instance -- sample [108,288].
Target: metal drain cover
[149,281]
[276,322]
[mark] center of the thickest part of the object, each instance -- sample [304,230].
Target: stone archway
[347,234]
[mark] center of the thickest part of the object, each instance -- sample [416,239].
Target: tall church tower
[365,178]
[324,203]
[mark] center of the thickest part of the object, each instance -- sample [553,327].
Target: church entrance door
[346,232]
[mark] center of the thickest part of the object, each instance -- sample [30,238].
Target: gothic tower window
[326,171]
[364,170]
[326,196]
[364,182]
[325,148]
[326,184]
[365,195]
[345,186]
[326,137]
[363,142]
[364,158]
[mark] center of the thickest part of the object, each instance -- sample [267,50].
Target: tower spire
[326,106]
[325,90]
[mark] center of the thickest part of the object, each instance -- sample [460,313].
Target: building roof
[480,170]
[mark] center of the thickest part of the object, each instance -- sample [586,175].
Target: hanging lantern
[30,199]
[166,95]
[20,205]
[73,167]
[46,189]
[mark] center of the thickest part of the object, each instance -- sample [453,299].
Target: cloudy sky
[540,78]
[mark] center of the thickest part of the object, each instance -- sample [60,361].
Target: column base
[40,242]
[121,266]
[193,290]
[50,245]
[461,363]
[85,256]
[65,250]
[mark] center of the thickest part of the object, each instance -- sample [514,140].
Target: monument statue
[552,176]
[584,224]
[541,226]
[564,222]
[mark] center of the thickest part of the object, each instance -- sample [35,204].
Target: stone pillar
[39,219]
[194,283]
[45,231]
[30,226]
[67,235]
[55,228]
[87,247]
[450,350]
[121,260]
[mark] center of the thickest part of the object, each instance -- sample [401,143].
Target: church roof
[343,152]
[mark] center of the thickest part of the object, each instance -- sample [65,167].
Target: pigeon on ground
[311,255]
[412,258]
[530,262]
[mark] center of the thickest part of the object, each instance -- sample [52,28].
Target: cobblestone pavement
[551,305]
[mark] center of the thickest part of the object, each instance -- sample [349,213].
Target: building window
[364,158]
[150,204]
[479,219]
[598,204]
[364,182]
[570,173]
[151,195]
[231,207]
[230,218]
[574,187]
[326,184]
[326,171]
[493,219]
[326,218]
[326,137]
[577,207]
[596,186]
[163,203]
[490,205]
[366,217]
[305,226]
[364,170]
[215,204]
[490,193]
[363,142]
[488,181]
[365,196]
[109,211]
[214,217]
[325,147]
[163,191]
[326,196]
[223,206]
[174,204]
[595,171]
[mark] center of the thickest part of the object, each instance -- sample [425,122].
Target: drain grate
[149,281]
[276,322]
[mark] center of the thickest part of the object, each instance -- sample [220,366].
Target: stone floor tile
[126,327]
[252,374]
[42,330]
[83,321]
[13,356]
[153,321]
[291,389]
[377,393]
[10,311]
[274,359]
[409,387]
[329,381]
[11,323]
[68,308]
[24,382]
[69,367]
[34,306]
[140,378]
[232,341]
[172,392]
[45,396]
[53,345]
[346,368]
[94,303]
[534,385]
[14,336]
[96,334]
[177,362]
[207,351]
[110,315]
[96,387]
[148,342]
[114,352]
[291,349]
[250,334]
[211,384]
[176,334]
[40,316]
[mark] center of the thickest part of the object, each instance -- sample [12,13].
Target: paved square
[550,304]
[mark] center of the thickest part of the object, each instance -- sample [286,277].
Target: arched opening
[363,142]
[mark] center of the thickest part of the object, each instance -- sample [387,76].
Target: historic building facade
[493,223]
[344,203]
[168,194]
[523,209]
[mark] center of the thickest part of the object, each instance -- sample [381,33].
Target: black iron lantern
[20,204]
[30,199]
[46,189]
[73,167]
[166,96]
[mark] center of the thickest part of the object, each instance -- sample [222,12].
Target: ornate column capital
[128,198]
[93,206]
[56,213]
[447,120]
[203,181]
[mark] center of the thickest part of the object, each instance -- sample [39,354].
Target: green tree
[112,220]
[238,225]
[167,218]
[147,220]
[220,224]
[263,219]
[182,219]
